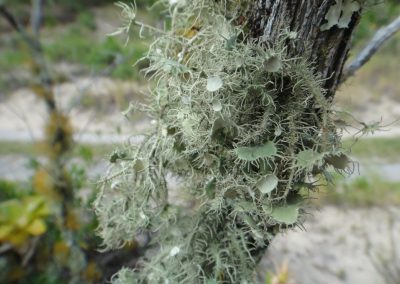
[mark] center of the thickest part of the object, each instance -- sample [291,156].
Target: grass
[17,148]
[10,58]
[369,189]
[361,191]
[385,149]
[74,46]
[31,149]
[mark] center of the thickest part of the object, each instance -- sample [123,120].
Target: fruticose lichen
[246,130]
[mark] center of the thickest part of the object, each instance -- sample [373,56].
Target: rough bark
[327,49]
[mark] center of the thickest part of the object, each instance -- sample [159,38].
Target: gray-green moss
[242,125]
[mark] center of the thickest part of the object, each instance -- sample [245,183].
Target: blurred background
[64,87]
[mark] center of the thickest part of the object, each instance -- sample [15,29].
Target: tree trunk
[327,49]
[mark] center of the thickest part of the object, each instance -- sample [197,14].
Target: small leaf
[244,206]
[214,83]
[349,7]
[278,131]
[216,105]
[5,231]
[307,158]
[174,251]
[34,204]
[286,214]
[267,183]
[10,211]
[340,14]
[38,227]
[332,16]
[268,150]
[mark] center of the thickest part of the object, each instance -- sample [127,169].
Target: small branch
[380,37]
[31,251]
[36,16]
[44,89]
[14,23]
[40,67]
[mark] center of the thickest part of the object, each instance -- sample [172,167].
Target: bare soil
[340,245]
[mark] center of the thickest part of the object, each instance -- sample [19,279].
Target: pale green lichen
[242,125]
[288,214]
[340,14]
[268,150]
[267,184]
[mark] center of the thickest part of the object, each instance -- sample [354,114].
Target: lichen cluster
[245,129]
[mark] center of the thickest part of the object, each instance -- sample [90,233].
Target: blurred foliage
[83,151]
[73,46]
[83,4]
[369,190]
[382,148]
[38,244]
[22,219]
[375,16]
[281,276]
[58,131]
[9,190]
[70,29]
[47,227]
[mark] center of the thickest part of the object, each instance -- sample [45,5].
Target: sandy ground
[23,115]
[340,246]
